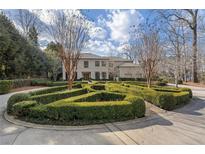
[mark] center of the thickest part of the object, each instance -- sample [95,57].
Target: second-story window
[97,63]
[86,64]
[110,64]
[103,63]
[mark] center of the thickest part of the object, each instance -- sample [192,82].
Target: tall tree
[149,50]
[69,29]
[190,17]
[33,36]
[54,62]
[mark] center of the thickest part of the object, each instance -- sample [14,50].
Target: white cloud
[100,47]
[120,23]
[98,33]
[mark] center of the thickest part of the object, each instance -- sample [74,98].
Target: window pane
[103,63]
[97,63]
[86,64]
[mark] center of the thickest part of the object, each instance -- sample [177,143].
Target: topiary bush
[5,86]
[98,86]
[23,108]
[48,90]
[15,99]
[17,83]
[181,98]
[51,97]
[163,97]
[75,111]
[94,107]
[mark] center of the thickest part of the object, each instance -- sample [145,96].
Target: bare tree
[149,51]
[190,17]
[27,19]
[70,31]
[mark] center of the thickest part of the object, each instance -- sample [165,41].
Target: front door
[86,75]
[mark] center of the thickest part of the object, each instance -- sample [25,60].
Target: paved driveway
[182,126]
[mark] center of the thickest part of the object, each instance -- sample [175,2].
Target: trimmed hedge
[48,90]
[167,98]
[89,112]
[17,83]
[15,99]
[5,86]
[23,108]
[94,107]
[51,97]
[98,86]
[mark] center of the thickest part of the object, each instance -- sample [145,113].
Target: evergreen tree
[33,35]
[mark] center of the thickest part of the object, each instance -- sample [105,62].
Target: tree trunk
[70,82]
[148,82]
[194,55]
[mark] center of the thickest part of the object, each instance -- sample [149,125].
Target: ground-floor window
[104,74]
[86,75]
[111,76]
[97,75]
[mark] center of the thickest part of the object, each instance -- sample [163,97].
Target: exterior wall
[130,72]
[91,68]
[112,72]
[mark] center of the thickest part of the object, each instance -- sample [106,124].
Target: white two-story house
[91,66]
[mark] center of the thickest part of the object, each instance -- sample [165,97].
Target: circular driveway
[182,126]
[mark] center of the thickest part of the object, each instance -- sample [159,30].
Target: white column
[63,71]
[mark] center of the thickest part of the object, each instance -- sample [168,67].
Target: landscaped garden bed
[93,103]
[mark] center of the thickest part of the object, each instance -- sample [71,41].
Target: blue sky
[110,31]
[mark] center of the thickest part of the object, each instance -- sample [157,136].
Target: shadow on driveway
[193,107]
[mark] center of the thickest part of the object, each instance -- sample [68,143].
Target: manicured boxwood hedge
[94,103]
[165,98]
[94,107]
[51,97]
[15,99]
[77,111]
[98,86]
[48,90]
[5,86]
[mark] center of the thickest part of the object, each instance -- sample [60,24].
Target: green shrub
[162,97]
[188,90]
[23,108]
[138,105]
[181,98]
[15,99]
[90,112]
[21,83]
[40,82]
[48,90]
[165,101]
[51,97]
[57,83]
[99,96]
[98,86]
[5,86]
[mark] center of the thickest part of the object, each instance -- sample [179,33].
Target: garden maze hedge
[93,103]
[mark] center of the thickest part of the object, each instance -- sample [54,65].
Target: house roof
[91,56]
[129,65]
[119,59]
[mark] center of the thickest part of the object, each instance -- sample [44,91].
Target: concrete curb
[18,122]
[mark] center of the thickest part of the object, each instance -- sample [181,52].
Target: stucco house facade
[91,66]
